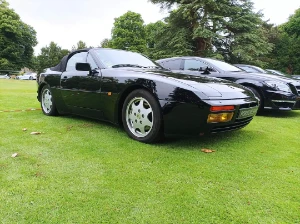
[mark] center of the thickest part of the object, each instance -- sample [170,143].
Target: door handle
[65,77]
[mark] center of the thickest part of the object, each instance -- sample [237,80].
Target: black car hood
[209,86]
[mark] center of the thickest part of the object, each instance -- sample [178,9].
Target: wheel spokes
[139,117]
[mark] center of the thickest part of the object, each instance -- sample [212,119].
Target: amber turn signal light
[221,117]
[221,108]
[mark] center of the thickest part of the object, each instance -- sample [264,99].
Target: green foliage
[165,40]
[17,40]
[286,54]
[106,43]
[50,56]
[80,45]
[223,29]
[292,27]
[129,33]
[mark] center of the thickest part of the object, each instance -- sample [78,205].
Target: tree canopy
[128,32]
[220,28]
[50,56]
[17,40]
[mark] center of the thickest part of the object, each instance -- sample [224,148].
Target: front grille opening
[249,105]
[235,126]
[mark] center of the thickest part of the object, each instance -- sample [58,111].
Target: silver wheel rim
[47,101]
[139,117]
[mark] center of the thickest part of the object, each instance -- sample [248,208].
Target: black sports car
[274,92]
[127,88]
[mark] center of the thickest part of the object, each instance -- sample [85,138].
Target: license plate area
[247,112]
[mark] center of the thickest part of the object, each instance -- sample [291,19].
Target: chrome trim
[283,101]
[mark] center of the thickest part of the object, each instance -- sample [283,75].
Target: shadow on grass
[190,143]
[279,114]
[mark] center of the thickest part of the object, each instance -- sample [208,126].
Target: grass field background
[84,171]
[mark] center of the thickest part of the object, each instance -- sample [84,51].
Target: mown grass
[84,171]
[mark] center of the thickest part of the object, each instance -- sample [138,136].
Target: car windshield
[223,65]
[117,58]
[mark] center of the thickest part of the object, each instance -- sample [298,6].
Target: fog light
[221,117]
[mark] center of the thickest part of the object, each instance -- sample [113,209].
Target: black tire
[47,102]
[141,117]
[259,96]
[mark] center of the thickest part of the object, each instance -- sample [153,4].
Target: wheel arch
[41,86]
[122,98]
[254,87]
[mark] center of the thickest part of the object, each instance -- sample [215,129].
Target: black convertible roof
[61,67]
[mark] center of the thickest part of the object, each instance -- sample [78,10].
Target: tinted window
[173,64]
[79,57]
[247,69]
[223,65]
[194,65]
[91,61]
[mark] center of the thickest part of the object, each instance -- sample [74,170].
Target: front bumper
[279,100]
[191,119]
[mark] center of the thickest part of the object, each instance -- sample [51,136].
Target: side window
[173,64]
[91,61]
[79,57]
[194,65]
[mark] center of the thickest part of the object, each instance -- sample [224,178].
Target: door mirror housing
[86,67]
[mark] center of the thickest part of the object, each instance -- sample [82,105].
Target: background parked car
[274,92]
[276,72]
[256,69]
[27,76]
[4,76]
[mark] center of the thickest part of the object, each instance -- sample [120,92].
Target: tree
[220,28]
[167,39]
[287,44]
[17,40]
[105,43]
[80,45]
[50,56]
[128,32]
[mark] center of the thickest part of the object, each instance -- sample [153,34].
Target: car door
[80,89]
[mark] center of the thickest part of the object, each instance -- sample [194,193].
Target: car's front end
[281,95]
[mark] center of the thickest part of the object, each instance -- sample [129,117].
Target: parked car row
[27,76]
[274,92]
[178,96]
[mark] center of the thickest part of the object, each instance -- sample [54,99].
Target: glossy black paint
[272,98]
[185,100]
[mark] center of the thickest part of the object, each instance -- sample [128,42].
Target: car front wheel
[47,102]
[141,116]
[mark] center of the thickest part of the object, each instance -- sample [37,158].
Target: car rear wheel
[47,102]
[141,116]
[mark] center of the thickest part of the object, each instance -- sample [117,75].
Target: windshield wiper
[127,65]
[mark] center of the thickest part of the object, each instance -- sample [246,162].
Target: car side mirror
[207,71]
[83,67]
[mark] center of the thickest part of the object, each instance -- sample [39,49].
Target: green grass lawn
[84,171]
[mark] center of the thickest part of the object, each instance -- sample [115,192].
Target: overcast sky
[67,21]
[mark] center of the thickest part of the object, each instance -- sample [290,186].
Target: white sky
[67,21]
